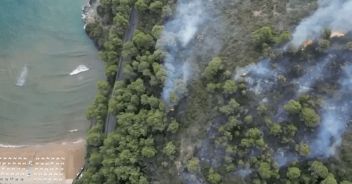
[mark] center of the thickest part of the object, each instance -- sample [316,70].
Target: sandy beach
[52,163]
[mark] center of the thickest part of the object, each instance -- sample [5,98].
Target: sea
[42,42]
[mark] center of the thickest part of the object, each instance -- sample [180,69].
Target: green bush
[213,177]
[265,171]
[293,173]
[213,69]
[293,107]
[169,149]
[193,165]
[230,87]
[329,180]
[265,37]
[318,170]
[310,117]
[303,149]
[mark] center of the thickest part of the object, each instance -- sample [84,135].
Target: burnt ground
[234,21]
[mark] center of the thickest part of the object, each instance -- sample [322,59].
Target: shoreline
[63,142]
[55,162]
[72,137]
[88,14]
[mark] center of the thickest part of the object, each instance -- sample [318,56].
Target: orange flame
[336,34]
[307,43]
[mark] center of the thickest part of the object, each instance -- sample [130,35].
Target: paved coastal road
[110,122]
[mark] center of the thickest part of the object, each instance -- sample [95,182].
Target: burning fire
[334,34]
[307,43]
[337,34]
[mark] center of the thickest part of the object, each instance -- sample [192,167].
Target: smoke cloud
[332,14]
[333,69]
[336,114]
[176,38]
[312,75]
[260,77]
[283,157]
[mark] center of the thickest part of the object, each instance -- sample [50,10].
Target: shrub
[213,69]
[303,149]
[193,165]
[310,117]
[213,177]
[263,35]
[169,149]
[318,170]
[293,107]
[230,87]
[293,173]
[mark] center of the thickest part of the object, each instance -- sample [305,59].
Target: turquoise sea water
[41,42]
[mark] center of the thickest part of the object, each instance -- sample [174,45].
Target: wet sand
[52,163]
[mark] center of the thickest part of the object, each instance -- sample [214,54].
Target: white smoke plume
[244,172]
[312,75]
[336,114]
[332,14]
[283,157]
[260,77]
[177,35]
[336,111]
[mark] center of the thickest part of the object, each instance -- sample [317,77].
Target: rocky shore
[89,11]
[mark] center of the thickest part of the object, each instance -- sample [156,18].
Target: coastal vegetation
[222,131]
[121,156]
